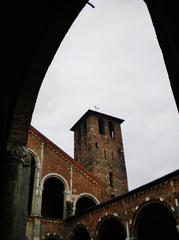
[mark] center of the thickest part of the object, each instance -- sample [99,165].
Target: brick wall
[57,161]
[127,207]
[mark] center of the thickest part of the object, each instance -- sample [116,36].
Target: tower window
[111,183]
[84,128]
[79,134]
[111,130]
[104,153]
[101,126]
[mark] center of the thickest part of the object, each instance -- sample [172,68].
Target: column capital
[19,153]
[67,192]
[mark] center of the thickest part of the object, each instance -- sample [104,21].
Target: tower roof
[99,114]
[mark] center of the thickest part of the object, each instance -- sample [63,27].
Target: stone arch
[54,196]
[31,50]
[34,154]
[22,84]
[55,175]
[110,227]
[80,232]
[38,59]
[52,237]
[84,201]
[155,220]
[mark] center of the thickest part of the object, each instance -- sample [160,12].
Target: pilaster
[14,191]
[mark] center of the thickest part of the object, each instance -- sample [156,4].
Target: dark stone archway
[33,31]
[53,198]
[165,18]
[84,203]
[81,234]
[111,228]
[52,238]
[155,222]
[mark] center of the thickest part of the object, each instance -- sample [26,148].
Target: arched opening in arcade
[31,184]
[81,234]
[52,238]
[84,203]
[111,228]
[53,198]
[155,221]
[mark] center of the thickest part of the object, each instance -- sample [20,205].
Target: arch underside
[111,228]
[53,198]
[156,222]
[33,32]
[81,234]
[84,203]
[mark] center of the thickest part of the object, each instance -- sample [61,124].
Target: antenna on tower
[96,108]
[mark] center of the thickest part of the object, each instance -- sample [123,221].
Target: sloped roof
[99,114]
[68,158]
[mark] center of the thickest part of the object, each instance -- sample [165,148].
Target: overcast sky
[111,58]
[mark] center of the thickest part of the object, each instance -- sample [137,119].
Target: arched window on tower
[53,198]
[101,126]
[111,130]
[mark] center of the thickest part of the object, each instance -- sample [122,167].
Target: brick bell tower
[98,147]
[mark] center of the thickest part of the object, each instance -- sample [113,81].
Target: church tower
[98,147]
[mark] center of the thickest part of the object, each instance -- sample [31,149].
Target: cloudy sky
[110,58]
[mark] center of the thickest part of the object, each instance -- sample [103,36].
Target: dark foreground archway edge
[32,33]
[165,18]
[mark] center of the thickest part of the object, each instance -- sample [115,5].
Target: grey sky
[110,58]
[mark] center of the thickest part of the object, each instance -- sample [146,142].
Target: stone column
[177,211]
[15,178]
[68,205]
[36,228]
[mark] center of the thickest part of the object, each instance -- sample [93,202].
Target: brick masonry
[101,153]
[96,155]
